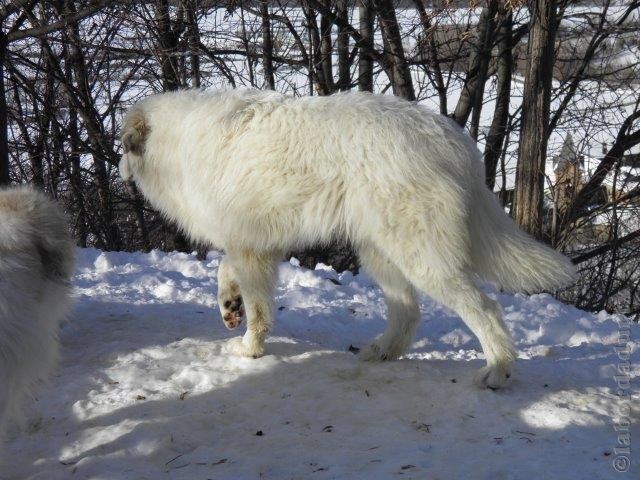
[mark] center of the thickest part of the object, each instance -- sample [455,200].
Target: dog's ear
[134,133]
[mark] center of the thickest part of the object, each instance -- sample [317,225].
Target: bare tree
[504,71]
[365,63]
[20,12]
[393,50]
[267,46]
[472,92]
[534,133]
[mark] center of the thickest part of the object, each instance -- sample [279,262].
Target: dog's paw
[240,348]
[232,310]
[495,376]
[375,353]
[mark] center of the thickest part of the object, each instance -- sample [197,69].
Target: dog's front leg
[229,296]
[256,273]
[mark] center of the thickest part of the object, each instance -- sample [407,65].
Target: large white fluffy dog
[259,173]
[36,262]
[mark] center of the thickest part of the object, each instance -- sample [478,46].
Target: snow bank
[145,390]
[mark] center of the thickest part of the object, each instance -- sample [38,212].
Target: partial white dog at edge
[36,263]
[260,173]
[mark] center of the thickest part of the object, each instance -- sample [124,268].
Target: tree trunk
[529,189]
[498,130]
[326,50]
[167,43]
[76,177]
[4,140]
[473,90]
[315,57]
[344,74]
[44,126]
[394,52]
[138,208]
[267,47]
[365,62]
[193,40]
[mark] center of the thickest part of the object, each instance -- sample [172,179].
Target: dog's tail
[505,255]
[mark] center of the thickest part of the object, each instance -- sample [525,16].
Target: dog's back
[36,263]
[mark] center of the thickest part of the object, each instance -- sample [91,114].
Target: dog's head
[135,131]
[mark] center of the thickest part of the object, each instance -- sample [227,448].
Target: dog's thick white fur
[36,263]
[259,173]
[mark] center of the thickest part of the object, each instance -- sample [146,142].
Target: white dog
[36,262]
[259,173]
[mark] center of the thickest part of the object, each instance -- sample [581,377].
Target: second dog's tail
[505,255]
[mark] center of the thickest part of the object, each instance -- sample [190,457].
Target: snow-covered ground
[146,390]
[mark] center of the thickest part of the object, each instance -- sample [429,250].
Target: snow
[146,390]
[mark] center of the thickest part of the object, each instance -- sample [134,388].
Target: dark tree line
[519,76]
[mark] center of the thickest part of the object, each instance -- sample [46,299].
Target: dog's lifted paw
[494,377]
[232,310]
[240,348]
[375,353]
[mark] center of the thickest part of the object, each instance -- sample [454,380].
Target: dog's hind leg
[430,245]
[482,315]
[402,307]
[256,274]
